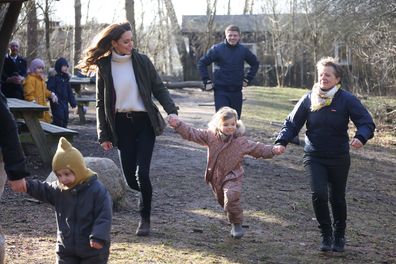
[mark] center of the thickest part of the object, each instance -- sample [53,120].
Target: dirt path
[188,225]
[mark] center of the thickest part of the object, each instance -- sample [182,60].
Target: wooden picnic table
[76,83]
[83,101]
[31,113]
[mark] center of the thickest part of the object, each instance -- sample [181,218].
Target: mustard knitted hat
[68,157]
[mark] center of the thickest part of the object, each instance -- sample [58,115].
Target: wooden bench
[82,102]
[293,101]
[52,132]
[31,113]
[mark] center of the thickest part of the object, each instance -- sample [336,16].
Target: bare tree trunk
[229,7]
[210,13]
[32,37]
[276,44]
[176,31]
[246,7]
[47,31]
[86,16]
[293,77]
[159,49]
[130,15]
[251,7]
[169,41]
[77,32]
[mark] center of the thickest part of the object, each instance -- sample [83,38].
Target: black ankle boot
[339,243]
[326,243]
[143,228]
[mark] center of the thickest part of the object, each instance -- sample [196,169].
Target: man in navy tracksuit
[229,76]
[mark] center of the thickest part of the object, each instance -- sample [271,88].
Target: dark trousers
[136,140]
[67,259]
[328,177]
[230,98]
[60,115]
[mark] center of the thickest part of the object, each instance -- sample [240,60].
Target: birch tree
[77,32]
[32,25]
[130,15]
[176,32]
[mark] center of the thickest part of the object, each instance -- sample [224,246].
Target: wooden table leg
[38,135]
[81,113]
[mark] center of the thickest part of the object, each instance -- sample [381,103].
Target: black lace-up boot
[339,241]
[327,240]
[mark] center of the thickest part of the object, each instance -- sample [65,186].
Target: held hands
[278,149]
[173,120]
[245,82]
[18,185]
[95,245]
[356,143]
[208,85]
[17,79]
[107,145]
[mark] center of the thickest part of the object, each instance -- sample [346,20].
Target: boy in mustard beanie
[83,207]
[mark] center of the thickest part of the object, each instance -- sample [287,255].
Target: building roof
[246,23]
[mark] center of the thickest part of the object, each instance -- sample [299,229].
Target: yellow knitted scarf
[321,98]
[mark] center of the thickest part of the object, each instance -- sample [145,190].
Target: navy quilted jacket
[327,128]
[82,213]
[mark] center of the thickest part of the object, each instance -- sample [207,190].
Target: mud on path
[188,226]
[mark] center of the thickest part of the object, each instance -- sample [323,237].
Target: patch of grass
[378,105]
[269,103]
[265,105]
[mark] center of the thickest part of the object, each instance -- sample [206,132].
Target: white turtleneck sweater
[125,85]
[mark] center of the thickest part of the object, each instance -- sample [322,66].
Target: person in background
[229,75]
[326,111]
[226,149]
[12,159]
[127,117]
[60,85]
[82,204]
[35,88]
[14,72]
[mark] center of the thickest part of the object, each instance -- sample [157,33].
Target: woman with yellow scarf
[326,111]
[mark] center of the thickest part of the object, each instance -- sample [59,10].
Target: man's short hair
[232,28]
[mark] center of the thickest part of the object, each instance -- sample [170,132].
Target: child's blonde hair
[222,115]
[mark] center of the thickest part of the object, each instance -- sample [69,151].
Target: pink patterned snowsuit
[224,171]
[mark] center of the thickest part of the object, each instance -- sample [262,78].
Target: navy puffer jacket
[327,128]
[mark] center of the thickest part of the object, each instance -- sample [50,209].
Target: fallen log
[186,84]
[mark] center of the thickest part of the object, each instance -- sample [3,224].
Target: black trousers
[69,259]
[328,178]
[136,140]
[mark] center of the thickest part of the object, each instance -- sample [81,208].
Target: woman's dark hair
[101,46]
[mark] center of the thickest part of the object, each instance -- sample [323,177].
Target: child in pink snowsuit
[226,148]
